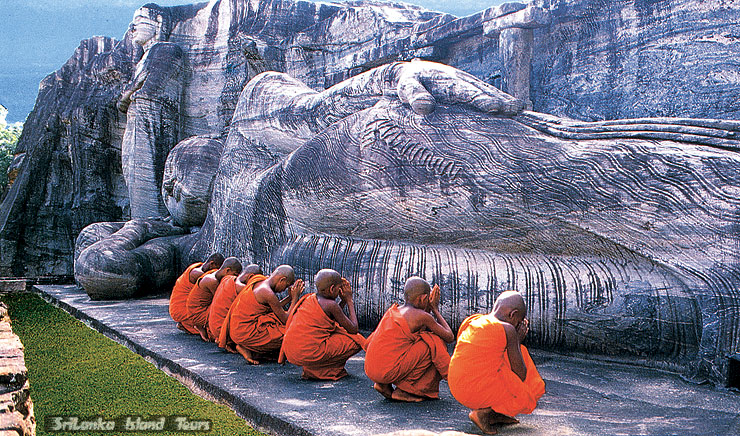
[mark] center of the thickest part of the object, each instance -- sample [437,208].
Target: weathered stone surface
[16,407]
[70,173]
[152,102]
[593,61]
[639,259]
[114,260]
[138,258]
[600,60]
[188,179]
[616,232]
[621,244]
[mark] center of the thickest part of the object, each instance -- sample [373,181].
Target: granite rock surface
[592,61]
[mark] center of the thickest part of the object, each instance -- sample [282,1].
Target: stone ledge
[8,286]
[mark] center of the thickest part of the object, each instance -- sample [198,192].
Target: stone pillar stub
[515,47]
[513,24]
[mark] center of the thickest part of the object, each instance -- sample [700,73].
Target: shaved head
[251,269]
[414,287]
[215,260]
[325,278]
[233,264]
[285,271]
[508,301]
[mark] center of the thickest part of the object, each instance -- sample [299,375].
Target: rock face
[591,61]
[614,59]
[68,159]
[16,407]
[152,126]
[620,234]
[116,260]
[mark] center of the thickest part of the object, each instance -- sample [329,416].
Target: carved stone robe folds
[152,127]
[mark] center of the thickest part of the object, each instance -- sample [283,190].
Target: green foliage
[75,370]
[9,135]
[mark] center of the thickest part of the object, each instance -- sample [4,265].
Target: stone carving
[116,260]
[68,161]
[514,27]
[635,260]
[125,260]
[188,179]
[152,105]
[590,61]
[620,233]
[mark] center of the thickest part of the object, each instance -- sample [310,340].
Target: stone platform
[583,397]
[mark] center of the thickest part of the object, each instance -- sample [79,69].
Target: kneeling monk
[201,295]
[319,336]
[407,348]
[183,286]
[491,371]
[255,323]
[224,297]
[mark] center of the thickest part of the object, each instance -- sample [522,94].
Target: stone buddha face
[143,28]
[187,184]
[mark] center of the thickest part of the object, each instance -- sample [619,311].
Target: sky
[38,36]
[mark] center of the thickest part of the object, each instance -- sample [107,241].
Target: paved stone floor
[583,397]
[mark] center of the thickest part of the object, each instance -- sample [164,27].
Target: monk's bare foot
[480,418]
[230,348]
[203,334]
[499,418]
[385,390]
[182,327]
[400,395]
[246,355]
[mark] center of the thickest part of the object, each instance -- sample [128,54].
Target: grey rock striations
[621,235]
[68,159]
[188,179]
[589,60]
[608,59]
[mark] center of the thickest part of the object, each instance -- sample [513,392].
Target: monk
[408,348]
[183,285]
[319,336]
[255,323]
[491,371]
[201,296]
[224,297]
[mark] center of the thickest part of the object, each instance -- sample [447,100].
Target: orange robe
[481,376]
[252,324]
[222,299]
[318,343]
[199,300]
[179,298]
[414,362]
